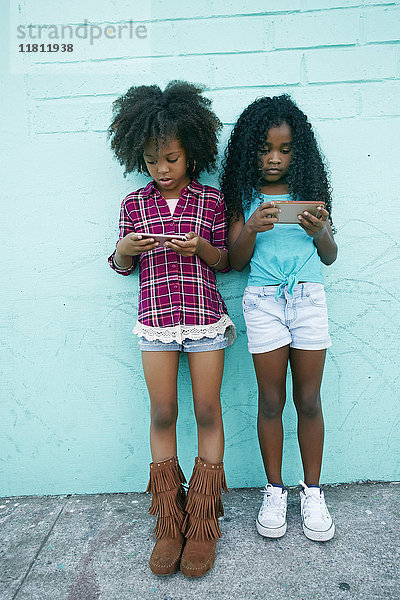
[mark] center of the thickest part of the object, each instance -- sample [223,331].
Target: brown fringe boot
[203,507]
[168,503]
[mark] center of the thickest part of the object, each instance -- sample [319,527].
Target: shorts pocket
[250,301]
[317,297]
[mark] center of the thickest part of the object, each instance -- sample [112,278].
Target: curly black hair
[180,111]
[307,177]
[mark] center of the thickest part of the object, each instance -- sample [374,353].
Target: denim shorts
[300,321]
[204,344]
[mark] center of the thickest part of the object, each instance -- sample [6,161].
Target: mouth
[272,171]
[165,180]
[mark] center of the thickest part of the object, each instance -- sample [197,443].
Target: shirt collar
[194,186]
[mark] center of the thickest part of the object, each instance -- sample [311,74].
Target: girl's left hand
[187,248]
[314,226]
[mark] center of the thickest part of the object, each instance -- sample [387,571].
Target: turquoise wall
[74,406]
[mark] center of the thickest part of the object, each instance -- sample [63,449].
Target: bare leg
[206,370]
[271,370]
[307,368]
[161,371]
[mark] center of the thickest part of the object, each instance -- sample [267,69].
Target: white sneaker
[317,522]
[271,520]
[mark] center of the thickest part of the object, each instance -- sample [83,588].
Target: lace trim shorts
[204,344]
[300,321]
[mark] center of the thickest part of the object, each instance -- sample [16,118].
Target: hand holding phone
[313,225]
[290,209]
[134,244]
[162,238]
[187,247]
[263,218]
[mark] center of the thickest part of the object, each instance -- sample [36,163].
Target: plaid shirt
[174,289]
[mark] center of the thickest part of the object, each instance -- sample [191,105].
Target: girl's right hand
[133,244]
[263,218]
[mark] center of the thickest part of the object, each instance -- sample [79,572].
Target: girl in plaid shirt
[175,230]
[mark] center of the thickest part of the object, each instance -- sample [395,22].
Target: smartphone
[163,237]
[290,209]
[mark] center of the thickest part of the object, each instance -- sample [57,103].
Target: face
[167,164]
[276,155]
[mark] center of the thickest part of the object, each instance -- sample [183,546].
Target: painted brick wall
[74,407]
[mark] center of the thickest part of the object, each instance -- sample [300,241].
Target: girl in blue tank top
[272,155]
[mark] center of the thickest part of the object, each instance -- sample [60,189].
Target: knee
[308,404]
[207,415]
[163,417]
[270,406]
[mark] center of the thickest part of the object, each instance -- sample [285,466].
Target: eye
[286,150]
[263,151]
[172,160]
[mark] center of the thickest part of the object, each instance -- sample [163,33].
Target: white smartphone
[161,237]
[290,209]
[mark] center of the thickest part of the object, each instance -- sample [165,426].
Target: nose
[274,158]
[162,167]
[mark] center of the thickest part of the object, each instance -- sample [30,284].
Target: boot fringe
[201,529]
[168,501]
[164,476]
[208,479]
[203,503]
[167,526]
[204,507]
[168,504]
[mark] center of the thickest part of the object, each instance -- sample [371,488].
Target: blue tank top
[284,255]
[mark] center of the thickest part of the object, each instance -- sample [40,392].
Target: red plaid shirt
[174,289]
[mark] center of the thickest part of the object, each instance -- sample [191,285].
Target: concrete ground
[97,548]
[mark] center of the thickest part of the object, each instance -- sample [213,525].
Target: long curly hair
[240,178]
[180,111]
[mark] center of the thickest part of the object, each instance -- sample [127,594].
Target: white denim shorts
[300,320]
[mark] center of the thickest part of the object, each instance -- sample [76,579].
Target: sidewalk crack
[37,554]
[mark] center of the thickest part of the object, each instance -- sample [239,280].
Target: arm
[326,246]
[242,236]
[213,255]
[195,244]
[219,237]
[320,230]
[129,246]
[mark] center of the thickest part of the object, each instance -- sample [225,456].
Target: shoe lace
[272,503]
[314,503]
